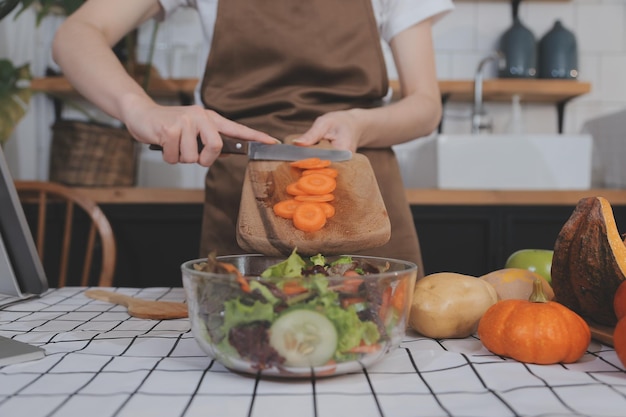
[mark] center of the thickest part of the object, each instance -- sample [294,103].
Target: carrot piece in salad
[293,287]
[232,269]
[363,348]
[399,294]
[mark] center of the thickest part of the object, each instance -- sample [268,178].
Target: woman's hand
[176,129]
[416,114]
[341,128]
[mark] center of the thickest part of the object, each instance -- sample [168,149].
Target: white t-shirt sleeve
[398,15]
[169,6]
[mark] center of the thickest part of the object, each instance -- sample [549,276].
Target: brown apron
[276,65]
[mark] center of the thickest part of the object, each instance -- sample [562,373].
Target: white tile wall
[462,39]
[474,29]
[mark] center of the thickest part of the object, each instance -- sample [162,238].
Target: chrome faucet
[481,122]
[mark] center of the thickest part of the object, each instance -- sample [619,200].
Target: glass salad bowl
[298,316]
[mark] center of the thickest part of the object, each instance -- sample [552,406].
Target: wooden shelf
[158,87]
[530,90]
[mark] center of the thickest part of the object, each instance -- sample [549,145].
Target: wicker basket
[92,154]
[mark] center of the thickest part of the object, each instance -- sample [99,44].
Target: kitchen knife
[277,152]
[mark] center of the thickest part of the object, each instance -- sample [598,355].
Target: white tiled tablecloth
[102,362]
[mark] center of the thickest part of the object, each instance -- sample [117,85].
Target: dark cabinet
[475,240]
[154,239]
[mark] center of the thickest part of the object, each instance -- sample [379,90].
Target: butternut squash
[516,283]
[449,305]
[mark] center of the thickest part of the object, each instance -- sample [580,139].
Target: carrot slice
[317,184]
[347,302]
[331,172]
[309,217]
[384,305]
[363,348]
[399,295]
[314,198]
[310,163]
[293,287]
[329,209]
[350,285]
[293,189]
[286,208]
[230,268]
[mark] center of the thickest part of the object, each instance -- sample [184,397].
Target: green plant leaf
[7,6]
[14,97]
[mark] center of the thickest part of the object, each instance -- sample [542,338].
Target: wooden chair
[44,198]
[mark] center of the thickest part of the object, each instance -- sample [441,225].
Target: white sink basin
[497,162]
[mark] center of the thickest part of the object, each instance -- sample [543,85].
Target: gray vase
[519,48]
[558,53]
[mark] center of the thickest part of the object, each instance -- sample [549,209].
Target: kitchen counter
[133,195]
[100,362]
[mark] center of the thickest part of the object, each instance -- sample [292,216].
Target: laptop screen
[21,272]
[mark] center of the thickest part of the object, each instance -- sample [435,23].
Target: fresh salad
[302,312]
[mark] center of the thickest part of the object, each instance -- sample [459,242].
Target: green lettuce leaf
[289,268]
[236,313]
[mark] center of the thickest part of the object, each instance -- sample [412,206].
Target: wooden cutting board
[360,221]
[601,333]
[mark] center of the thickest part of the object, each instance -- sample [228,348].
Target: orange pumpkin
[534,330]
[619,341]
[619,334]
[619,301]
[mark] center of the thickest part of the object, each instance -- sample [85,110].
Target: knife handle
[154,147]
[229,145]
[234,146]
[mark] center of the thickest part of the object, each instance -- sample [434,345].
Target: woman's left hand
[341,128]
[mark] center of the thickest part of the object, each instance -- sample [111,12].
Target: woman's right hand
[176,129]
[82,48]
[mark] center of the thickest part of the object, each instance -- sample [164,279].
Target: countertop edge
[141,195]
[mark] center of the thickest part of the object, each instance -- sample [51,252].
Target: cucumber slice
[304,338]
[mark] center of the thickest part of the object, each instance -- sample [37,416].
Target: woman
[276,68]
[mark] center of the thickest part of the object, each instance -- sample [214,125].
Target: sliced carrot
[327,372]
[351,284]
[329,209]
[309,217]
[346,302]
[330,172]
[399,295]
[293,189]
[314,198]
[230,268]
[286,208]
[384,305]
[317,184]
[293,287]
[310,163]
[363,348]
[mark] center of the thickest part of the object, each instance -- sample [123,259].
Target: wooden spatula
[603,334]
[144,309]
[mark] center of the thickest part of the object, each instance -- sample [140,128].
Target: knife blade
[277,152]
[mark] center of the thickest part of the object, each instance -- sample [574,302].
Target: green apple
[536,260]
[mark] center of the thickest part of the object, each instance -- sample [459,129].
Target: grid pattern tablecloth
[101,362]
